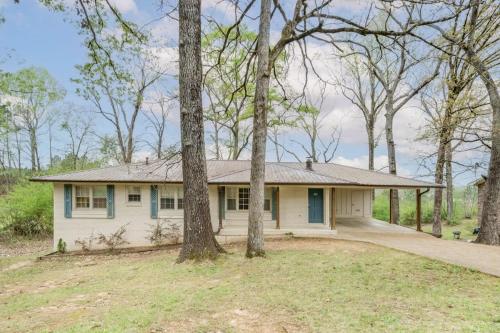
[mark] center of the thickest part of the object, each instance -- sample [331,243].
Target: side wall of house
[87,224]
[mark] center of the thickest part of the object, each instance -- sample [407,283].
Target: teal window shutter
[68,200]
[222,202]
[274,202]
[111,201]
[154,201]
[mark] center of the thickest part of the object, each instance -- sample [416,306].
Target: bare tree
[360,86]
[199,241]
[157,115]
[79,130]
[479,22]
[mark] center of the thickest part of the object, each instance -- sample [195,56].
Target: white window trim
[91,199]
[133,203]
[237,198]
[175,189]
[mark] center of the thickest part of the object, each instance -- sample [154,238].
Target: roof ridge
[315,172]
[228,174]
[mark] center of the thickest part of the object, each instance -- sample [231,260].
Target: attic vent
[309,164]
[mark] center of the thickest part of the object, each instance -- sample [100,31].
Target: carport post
[390,206]
[419,209]
[333,219]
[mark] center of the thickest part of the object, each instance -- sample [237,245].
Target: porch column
[390,206]
[333,219]
[222,207]
[277,207]
[419,211]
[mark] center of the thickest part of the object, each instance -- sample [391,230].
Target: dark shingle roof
[238,172]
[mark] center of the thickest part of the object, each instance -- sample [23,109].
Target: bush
[27,210]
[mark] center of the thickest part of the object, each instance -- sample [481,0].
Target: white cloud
[125,6]
[214,7]
[380,164]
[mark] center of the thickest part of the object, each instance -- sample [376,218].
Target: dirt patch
[23,246]
[235,320]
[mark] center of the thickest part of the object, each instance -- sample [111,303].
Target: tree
[255,242]
[360,86]
[33,91]
[118,92]
[79,130]
[399,53]
[199,241]
[228,83]
[157,115]
[477,20]
[316,20]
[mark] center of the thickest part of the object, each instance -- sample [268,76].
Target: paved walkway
[476,256]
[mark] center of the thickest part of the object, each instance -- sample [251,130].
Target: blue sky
[35,36]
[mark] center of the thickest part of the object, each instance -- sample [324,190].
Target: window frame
[233,193]
[134,202]
[243,198]
[105,197]
[90,195]
[177,193]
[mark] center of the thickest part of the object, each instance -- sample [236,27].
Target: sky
[34,36]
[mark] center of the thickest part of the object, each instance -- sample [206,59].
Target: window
[267,199]
[243,195]
[231,198]
[167,198]
[99,197]
[180,198]
[134,194]
[82,195]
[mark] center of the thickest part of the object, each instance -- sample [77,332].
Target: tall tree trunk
[51,157]
[490,223]
[236,140]
[371,150]
[449,184]
[391,153]
[32,135]
[371,147]
[255,243]
[438,192]
[199,240]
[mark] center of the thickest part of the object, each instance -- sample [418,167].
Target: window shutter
[111,201]
[68,200]
[274,203]
[154,201]
[222,202]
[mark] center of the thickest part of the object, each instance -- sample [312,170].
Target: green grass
[465,226]
[302,286]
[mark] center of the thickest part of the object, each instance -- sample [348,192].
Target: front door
[315,196]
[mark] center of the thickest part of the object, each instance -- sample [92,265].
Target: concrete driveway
[476,256]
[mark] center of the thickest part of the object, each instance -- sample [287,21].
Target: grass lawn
[302,286]
[466,226]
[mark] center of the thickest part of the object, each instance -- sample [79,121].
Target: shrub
[61,246]
[163,232]
[115,239]
[27,210]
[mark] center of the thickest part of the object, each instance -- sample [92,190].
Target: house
[481,190]
[481,194]
[298,196]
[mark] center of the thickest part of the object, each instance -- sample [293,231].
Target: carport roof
[238,172]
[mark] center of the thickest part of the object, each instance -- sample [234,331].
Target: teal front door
[315,199]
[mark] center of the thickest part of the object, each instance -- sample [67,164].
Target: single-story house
[302,196]
[481,196]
